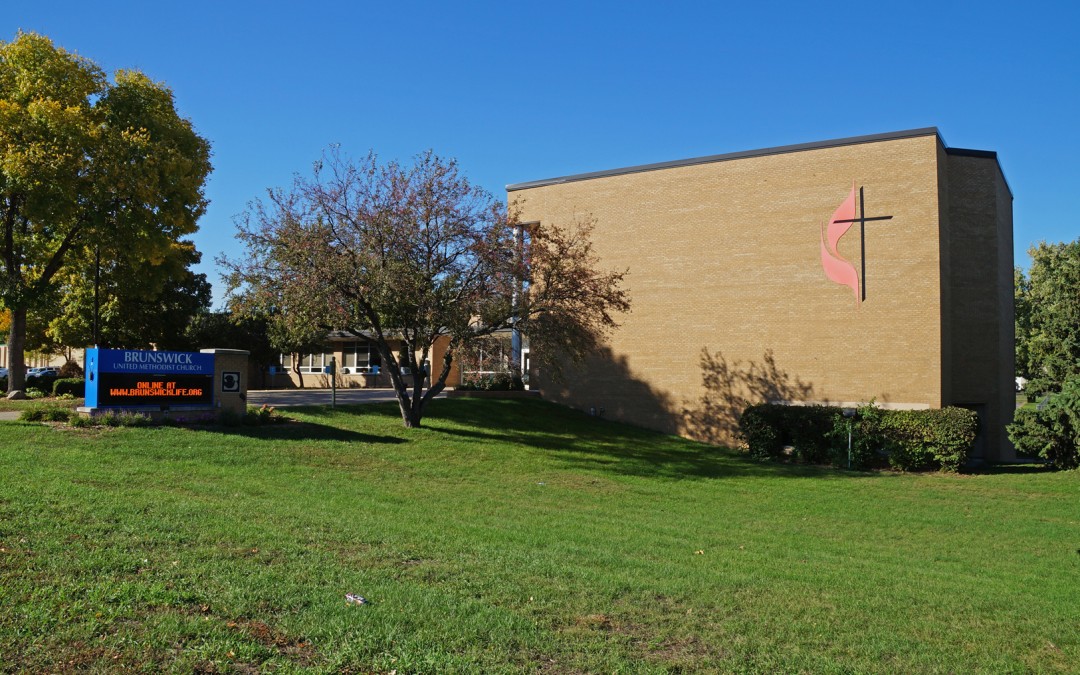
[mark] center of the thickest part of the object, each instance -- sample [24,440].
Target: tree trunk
[16,345]
[296,368]
[411,418]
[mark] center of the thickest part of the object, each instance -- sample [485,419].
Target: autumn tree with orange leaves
[412,253]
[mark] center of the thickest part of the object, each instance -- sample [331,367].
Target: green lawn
[515,536]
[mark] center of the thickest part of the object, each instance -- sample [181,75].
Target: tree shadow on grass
[297,430]
[581,441]
[1036,466]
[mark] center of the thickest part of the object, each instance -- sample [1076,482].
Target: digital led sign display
[129,377]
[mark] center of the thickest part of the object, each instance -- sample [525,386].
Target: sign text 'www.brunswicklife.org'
[132,377]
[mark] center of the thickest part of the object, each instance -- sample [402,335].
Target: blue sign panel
[118,378]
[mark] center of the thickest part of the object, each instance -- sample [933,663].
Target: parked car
[44,371]
[3,372]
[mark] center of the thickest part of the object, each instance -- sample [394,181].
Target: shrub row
[74,386]
[910,440]
[55,412]
[493,382]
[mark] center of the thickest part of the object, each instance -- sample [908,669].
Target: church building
[873,268]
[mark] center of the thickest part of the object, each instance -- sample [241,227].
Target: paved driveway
[283,398]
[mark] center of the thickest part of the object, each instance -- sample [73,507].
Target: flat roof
[779,150]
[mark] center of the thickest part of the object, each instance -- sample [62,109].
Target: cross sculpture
[862,220]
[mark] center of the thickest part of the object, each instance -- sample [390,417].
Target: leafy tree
[141,302]
[83,163]
[411,254]
[1048,311]
[1022,305]
[295,338]
[233,331]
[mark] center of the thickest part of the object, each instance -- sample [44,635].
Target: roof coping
[779,150]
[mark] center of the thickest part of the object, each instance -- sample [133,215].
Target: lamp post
[333,381]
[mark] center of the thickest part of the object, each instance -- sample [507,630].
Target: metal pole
[515,334]
[849,443]
[97,301]
[333,381]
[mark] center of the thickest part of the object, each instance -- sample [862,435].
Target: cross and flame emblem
[838,268]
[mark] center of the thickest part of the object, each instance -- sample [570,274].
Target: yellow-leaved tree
[86,164]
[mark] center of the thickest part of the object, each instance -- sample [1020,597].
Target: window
[312,363]
[487,357]
[361,356]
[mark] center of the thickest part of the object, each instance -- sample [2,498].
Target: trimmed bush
[1051,431]
[762,428]
[70,386]
[770,429]
[930,439]
[911,440]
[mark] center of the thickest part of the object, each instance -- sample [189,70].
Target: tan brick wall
[725,257]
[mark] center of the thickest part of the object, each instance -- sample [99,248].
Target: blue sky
[522,91]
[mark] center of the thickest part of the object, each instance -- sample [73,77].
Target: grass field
[515,536]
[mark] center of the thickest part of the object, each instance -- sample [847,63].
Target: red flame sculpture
[836,267]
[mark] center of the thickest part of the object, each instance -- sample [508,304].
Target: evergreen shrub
[1052,430]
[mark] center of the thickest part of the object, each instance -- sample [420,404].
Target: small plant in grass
[81,421]
[123,418]
[33,392]
[265,414]
[46,412]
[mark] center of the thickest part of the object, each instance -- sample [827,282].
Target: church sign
[118,378]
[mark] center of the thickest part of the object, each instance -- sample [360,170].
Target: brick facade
[730,303]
